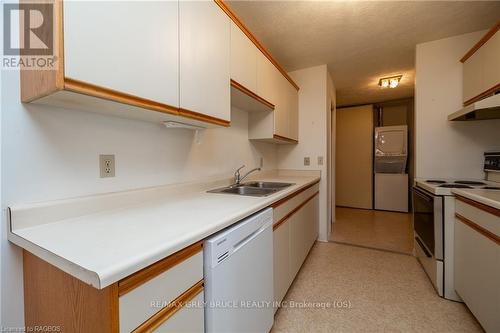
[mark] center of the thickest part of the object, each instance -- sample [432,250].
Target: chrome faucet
[237,176]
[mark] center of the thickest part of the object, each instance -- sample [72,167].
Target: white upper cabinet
[243,59]
[204,59]
[491,73]
[272,85]
[127,46]
[481,70]
[281,111]
[267,79]
[293,98]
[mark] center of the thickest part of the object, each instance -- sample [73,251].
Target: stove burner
[469,182]
[491,188]
[435,181]
[454,186]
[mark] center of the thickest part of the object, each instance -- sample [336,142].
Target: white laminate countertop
[102,239]
[488,197]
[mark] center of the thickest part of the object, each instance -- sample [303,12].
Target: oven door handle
[427,254]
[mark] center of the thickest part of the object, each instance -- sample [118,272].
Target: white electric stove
[433,224]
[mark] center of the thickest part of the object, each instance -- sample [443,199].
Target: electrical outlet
[307,161]
[107,165]
[262,162]
[320,160]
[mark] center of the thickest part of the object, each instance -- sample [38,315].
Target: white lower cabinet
[281,240]
[189,319]
[164,297]
[294,234]
[477,263]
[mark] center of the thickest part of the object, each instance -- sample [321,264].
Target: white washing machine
[391,181]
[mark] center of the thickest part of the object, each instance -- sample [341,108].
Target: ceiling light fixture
[390,82]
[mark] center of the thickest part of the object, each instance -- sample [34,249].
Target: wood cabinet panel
[110,45]
[204,59]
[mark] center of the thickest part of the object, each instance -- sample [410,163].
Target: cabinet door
[281,111]
[189,319]
[281,249]
[477,272]
[131,47]
[303,233]
[293,112]
[243,59]
[472,75]
[204,59]
[491,62]
[267,79]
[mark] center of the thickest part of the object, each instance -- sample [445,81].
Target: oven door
[428,222]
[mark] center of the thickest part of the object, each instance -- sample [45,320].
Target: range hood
[487,108]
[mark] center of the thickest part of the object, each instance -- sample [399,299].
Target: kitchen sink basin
[255,189]
[272,185]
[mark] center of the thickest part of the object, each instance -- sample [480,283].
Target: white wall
[50,153]
[445,148]
[313,125]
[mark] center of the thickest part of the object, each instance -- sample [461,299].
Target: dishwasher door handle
[248,238]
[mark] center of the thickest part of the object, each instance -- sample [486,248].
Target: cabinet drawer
[137,305]
[189,319]
[281,209]
[484,216]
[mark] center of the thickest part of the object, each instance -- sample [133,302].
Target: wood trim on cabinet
[135,280]
[287,216]
[250,93]
[232,15]
[478,205]
[55,298]
[285,199]
[488,234]
[202,117]
[37,83]
[168,311]
[284,138]
[487,93]
[89,89]
[93,90]
[481,42]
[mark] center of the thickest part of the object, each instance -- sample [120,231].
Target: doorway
[357,222]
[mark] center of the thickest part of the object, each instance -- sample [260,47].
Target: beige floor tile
[379,229]
[387,292]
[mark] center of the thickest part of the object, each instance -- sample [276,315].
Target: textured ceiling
[360,41]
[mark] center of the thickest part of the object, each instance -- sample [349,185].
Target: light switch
[307,161]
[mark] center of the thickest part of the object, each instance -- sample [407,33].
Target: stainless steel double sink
[254,189]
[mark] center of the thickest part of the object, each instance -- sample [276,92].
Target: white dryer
[391,181]
[391,149]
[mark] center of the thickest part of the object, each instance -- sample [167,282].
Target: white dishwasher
[238,274]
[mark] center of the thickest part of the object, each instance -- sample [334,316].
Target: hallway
[372,228]
[387,292]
